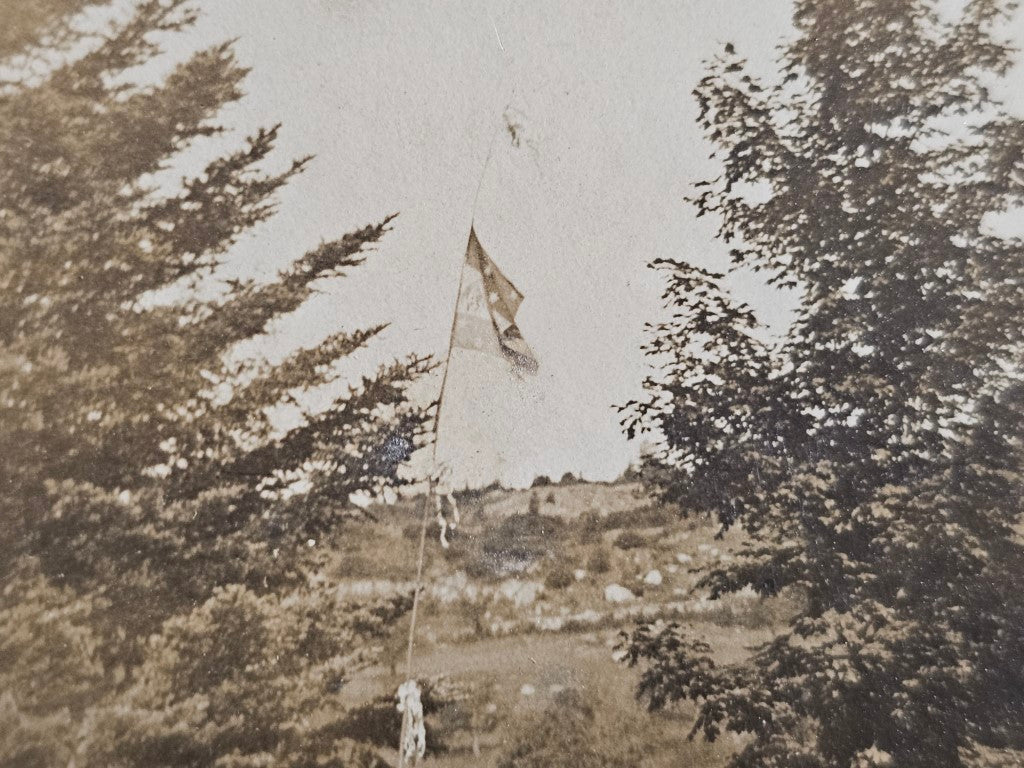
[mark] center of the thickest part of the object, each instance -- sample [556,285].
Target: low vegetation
[519,600]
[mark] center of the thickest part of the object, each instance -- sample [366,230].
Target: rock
[672,568]
[550,624]
[616,593]
[589,616]
[653,578]
[519,592]
[682,558]
[527,690]
[453,587]
[370,588]
[579,574]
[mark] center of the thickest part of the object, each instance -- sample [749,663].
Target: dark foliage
[157,559]
[874,455]
[569,733]
[631,540]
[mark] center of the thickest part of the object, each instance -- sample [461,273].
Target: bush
[600,561]
[569,734]
[559,577]
[630,540]
[550,498]
[509,545]
[590,527]
[541,480]
[534,507]
[411,531]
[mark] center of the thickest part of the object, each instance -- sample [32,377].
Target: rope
[430,483]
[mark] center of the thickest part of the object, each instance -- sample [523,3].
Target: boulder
[521,593]
[653,578]
[616,593]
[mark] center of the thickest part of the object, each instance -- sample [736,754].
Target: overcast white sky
[399,101]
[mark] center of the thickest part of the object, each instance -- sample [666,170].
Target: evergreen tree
[874,455]
[149,504]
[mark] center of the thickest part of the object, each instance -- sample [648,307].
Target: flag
[485,315]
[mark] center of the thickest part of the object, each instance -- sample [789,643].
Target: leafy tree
[148,490]
[873,456]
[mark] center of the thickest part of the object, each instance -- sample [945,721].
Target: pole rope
[418,584]
[423,530]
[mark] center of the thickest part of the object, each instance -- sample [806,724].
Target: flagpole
[425,521]
[418,588]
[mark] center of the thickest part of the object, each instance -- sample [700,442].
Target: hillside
[525,606]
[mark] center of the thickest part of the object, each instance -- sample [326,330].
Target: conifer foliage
[157,562]
[874,455]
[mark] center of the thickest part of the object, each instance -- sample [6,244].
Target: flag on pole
[485,316]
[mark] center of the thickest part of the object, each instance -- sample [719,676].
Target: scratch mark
[495,27]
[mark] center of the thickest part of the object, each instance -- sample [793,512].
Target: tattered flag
[485,316]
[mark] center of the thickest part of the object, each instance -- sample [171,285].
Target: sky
[400,102]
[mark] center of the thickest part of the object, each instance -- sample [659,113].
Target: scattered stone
[519,592]
[672,568]
[589,616]
[682,558]
[550,624]
[452,588]
[616,593]
[653,578]
[579,574]
[527,690]
[370,588]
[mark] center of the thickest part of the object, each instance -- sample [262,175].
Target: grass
[499,542]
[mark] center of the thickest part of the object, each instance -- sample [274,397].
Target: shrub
[630,540]
[534,506]
[590,526]
[570,734]
[509,546]
[559,577]
[600,561]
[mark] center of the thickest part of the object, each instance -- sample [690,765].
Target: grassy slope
[463,638]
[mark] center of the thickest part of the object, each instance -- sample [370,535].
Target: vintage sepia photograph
[511,384]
